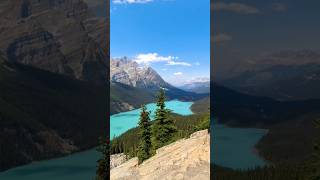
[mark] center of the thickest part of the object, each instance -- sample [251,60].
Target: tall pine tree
[163,128]
[145,147]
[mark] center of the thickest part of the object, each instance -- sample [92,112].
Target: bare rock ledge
[183,159]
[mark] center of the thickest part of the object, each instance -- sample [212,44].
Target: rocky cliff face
[184,159]
[60,36]
[128,72]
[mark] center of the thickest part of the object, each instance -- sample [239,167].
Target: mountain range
[197,85]
[133,85]
[283,75]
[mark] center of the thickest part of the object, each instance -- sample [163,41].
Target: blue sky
[172,36]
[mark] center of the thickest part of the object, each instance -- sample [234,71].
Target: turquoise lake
[233,148]
[79,166]
[121,122]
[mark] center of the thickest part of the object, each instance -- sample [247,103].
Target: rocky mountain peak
[129,72]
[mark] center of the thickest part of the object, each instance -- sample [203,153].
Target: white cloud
[131,1]
[155,57]
[151,58]
[174,63]
[164,69]
[235,8]
[178,73]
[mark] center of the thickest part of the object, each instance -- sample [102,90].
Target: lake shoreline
[237,146]
[49,159]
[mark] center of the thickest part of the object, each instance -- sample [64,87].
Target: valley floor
[183,159]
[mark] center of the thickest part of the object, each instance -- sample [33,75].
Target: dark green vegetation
[145,145]
[120,93]
[201,106]
[290,141]
[267,173]
[163,128]
[42,113]
[103,171]
[313,165]
[238,109]
[186,125]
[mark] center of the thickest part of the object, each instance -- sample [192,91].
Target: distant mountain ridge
[198,85]
[283,75]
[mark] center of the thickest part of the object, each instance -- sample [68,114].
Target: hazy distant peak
[198,80]
[197,85]
[287,57]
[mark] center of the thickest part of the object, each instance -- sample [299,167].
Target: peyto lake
[121,122]
[233,147]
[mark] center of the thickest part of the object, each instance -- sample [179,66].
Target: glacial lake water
[121,122]
[232,147]
[79,166]
[235,147]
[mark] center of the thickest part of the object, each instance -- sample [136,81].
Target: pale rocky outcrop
[184,159]
[117,159]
